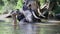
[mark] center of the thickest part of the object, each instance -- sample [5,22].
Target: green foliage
[13,1]
[57,10]
[1,2]
[19,4]
[16,4]
[42,2]
[10,4]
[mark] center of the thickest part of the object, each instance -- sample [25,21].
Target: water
[6,27]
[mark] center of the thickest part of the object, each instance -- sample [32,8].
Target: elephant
[28,13]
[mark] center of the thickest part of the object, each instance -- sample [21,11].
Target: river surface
[6,27]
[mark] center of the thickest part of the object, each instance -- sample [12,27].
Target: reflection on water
[8,28]
[28,29]
[37,29]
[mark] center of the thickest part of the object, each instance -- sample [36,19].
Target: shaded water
[8,28]
[39,29]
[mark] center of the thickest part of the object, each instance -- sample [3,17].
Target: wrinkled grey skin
[26,16]
[29,14]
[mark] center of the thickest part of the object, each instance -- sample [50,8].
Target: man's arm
[14,19]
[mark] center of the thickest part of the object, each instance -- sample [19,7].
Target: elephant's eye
[30,5]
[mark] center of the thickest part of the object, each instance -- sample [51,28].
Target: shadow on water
[39,29]
[2,21]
